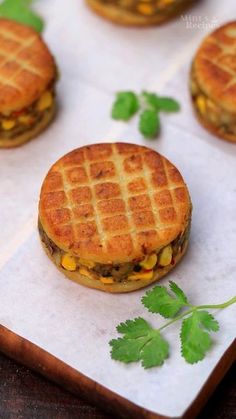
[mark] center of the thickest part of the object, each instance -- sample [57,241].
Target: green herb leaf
[125,106]
[167,104]
[155,352]
[134,328]
[150,100]
[195,340]
[178,292]
[208,321]
[140,343]
[19,10]
[127,350]
[149,123]
[158,103]
[158,300]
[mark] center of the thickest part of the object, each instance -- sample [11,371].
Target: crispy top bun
[215,66]
[113,203]
[26,66]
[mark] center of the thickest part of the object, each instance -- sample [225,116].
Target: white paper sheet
[74,323]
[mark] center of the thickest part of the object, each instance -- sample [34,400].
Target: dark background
[26,395]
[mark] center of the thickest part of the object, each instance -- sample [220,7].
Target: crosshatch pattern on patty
[113,202]
[215,66]
[26,66]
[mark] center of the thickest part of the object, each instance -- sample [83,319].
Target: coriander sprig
[141,342]
[20,10]
[128,103]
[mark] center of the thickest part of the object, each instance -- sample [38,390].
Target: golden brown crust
[117,287]
[215,66]
[30,133]
[214,130]
[27,67]
[113,203]
[128,18]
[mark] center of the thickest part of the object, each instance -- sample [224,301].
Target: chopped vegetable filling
[144,269]
[21,121]
[144,7]
[210,111]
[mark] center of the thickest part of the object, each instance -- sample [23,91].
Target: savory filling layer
[111,273]
[213,113]
[21,121]
[145,7]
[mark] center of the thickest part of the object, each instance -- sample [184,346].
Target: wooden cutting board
[32,356]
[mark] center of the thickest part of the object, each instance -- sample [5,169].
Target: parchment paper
[74,323]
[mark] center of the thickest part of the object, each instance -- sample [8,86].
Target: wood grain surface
[26,353]
[25,394]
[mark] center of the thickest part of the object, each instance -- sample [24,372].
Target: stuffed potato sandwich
[115,217]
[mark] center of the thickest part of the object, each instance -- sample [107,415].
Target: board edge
[37,359]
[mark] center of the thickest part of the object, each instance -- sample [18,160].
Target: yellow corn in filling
[45,101]
[166,256]
[107,280]
[141,275]
[211,111]
[87,263]
[68,262]
[104,280]
[201,104]
[25,119]
[85,272]
[8,124]
[149,262]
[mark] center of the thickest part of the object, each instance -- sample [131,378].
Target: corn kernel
[201,104]
[8,124]
[166,256]
[68,262]
[141,275]
[87,263]
[85,272]
[25,119]
[149,262]
[106,280]
[45,101]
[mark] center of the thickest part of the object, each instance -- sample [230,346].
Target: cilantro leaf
[167,104]
[155,352]
[134,328]
[151,100]
[140,343]
[160,103]
[149,123]
[125,106]
[195,340]
[158,300]
[178,292]
[127,350]
[20,11]
[208,321]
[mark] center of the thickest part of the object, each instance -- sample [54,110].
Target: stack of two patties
[115,217]
[27,80]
